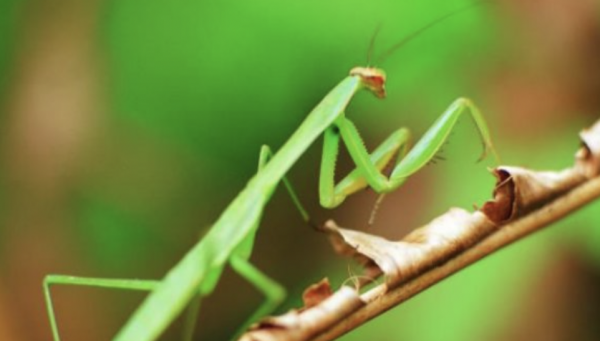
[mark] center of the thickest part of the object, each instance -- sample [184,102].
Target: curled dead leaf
[303,324]
[419,251]
[588,157]
[519,190]
[501,207]
[316,293]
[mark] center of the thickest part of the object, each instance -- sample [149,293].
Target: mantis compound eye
[372,78]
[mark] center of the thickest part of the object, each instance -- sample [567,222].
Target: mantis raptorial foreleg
[332,195]
[369,167]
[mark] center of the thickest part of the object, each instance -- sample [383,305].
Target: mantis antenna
[372,44]
[418,32]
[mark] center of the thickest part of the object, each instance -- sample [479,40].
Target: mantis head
[371,78]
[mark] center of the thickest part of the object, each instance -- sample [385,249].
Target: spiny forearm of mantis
[524,202]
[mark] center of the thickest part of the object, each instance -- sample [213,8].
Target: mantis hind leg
[369,170]
[239,262]
[244,270]
[273,291]
[125,284]
[191,316]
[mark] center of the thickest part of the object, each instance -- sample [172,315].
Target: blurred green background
[126,128]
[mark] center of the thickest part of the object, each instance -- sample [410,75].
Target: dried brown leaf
[588,157]
[316,293]
[303,324]
[421,250]
[519,190]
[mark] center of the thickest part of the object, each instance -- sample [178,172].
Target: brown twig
[380,302]
[524,201]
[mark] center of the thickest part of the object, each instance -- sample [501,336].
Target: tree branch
[380,302]
[524,202]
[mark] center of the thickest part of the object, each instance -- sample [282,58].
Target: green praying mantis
[230,240]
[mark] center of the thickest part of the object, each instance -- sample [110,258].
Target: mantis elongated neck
[319,119]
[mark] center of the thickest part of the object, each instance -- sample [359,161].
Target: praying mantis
[230,240]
